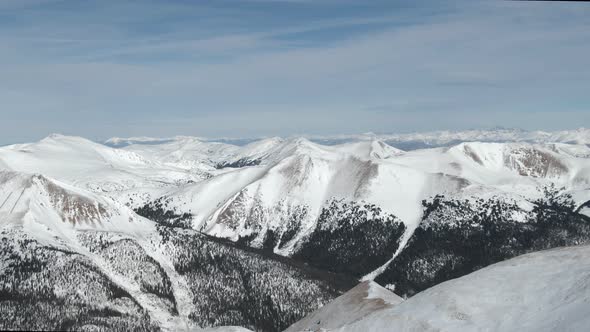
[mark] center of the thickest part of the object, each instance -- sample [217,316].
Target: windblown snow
[542,291]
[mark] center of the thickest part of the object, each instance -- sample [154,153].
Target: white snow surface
[366,298]
[369,149]
[542,291]
[185,152]
[77,161]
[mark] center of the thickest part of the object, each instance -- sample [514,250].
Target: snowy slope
[56,209]
[68,252]
[364,299]
[508,167]
[543,291]
[193,152]
[95,167]
[370,149]
[254,153]
[185,152]
[3,165]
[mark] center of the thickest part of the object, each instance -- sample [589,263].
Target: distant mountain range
[405,141]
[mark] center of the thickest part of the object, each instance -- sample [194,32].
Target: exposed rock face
[74,208]
[244,162]
[472,154]
[535,163]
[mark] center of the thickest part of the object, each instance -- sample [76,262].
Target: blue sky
[287,67]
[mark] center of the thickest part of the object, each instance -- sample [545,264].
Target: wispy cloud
[166,68]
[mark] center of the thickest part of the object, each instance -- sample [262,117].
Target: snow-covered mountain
[72,260]
[283,194]
[357,210]
[125,175]
[58,209]
[543,291]
[282,198]
[186,152]
[507,166]
[285,191]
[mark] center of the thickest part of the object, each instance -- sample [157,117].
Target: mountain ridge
[412,140]
[335,213]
